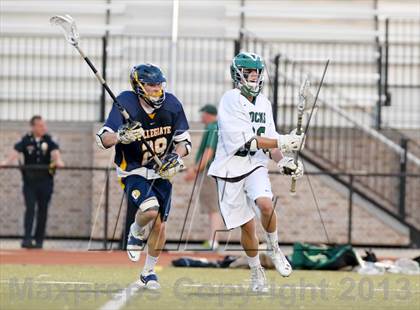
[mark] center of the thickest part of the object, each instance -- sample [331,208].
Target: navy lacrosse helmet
[148,74]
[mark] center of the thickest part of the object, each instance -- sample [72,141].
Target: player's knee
[265,206]
[150,215]
[266,210]
[149,208]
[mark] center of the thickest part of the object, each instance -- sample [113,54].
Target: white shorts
[237,200]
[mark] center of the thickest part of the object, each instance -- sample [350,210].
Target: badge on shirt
[30,149]
[44,147]
[135,194]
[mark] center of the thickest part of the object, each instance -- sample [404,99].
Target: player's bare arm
[285,143]
[276,155]
[109,139]
[181,149]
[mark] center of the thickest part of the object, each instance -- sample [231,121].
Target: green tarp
[308,256]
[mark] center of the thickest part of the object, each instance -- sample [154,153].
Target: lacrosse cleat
[258,280]
[134,247]
[150,281]
[280,262]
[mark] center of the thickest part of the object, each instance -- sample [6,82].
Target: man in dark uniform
[37,148]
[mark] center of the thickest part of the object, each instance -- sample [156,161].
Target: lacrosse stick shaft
[298,132]
[300,116]
[301,110]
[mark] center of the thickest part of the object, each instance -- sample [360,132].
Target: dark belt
[237,179]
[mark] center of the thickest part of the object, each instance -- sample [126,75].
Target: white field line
[121,298]
[44,282]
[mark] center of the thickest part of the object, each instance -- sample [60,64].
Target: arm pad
[98,137]
[184,139]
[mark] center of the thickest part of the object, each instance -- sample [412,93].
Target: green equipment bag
[308,256]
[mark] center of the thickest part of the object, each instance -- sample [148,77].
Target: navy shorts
[139,189]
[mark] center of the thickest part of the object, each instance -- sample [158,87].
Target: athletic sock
[136,230]
[149,264]
[272,240]
[254,262]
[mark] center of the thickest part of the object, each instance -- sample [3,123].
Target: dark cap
[209,108]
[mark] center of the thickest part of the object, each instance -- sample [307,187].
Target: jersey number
[260,130]
[159,146]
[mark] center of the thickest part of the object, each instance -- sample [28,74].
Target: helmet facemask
[248,87]
[155,99]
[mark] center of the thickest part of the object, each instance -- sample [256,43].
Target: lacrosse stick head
[306,98]
[68,26]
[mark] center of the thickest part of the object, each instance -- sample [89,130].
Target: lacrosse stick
[305,96]
[68,26]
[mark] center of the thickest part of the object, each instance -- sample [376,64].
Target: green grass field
[85,287]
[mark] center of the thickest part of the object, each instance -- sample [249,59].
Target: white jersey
[239,120]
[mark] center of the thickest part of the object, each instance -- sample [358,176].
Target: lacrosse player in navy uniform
[160,119]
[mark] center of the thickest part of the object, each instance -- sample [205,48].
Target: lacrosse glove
[287,166]
[172,163]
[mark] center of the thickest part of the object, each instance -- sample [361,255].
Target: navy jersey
[163,127]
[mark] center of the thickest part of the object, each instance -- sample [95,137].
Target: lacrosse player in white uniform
[247,140]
